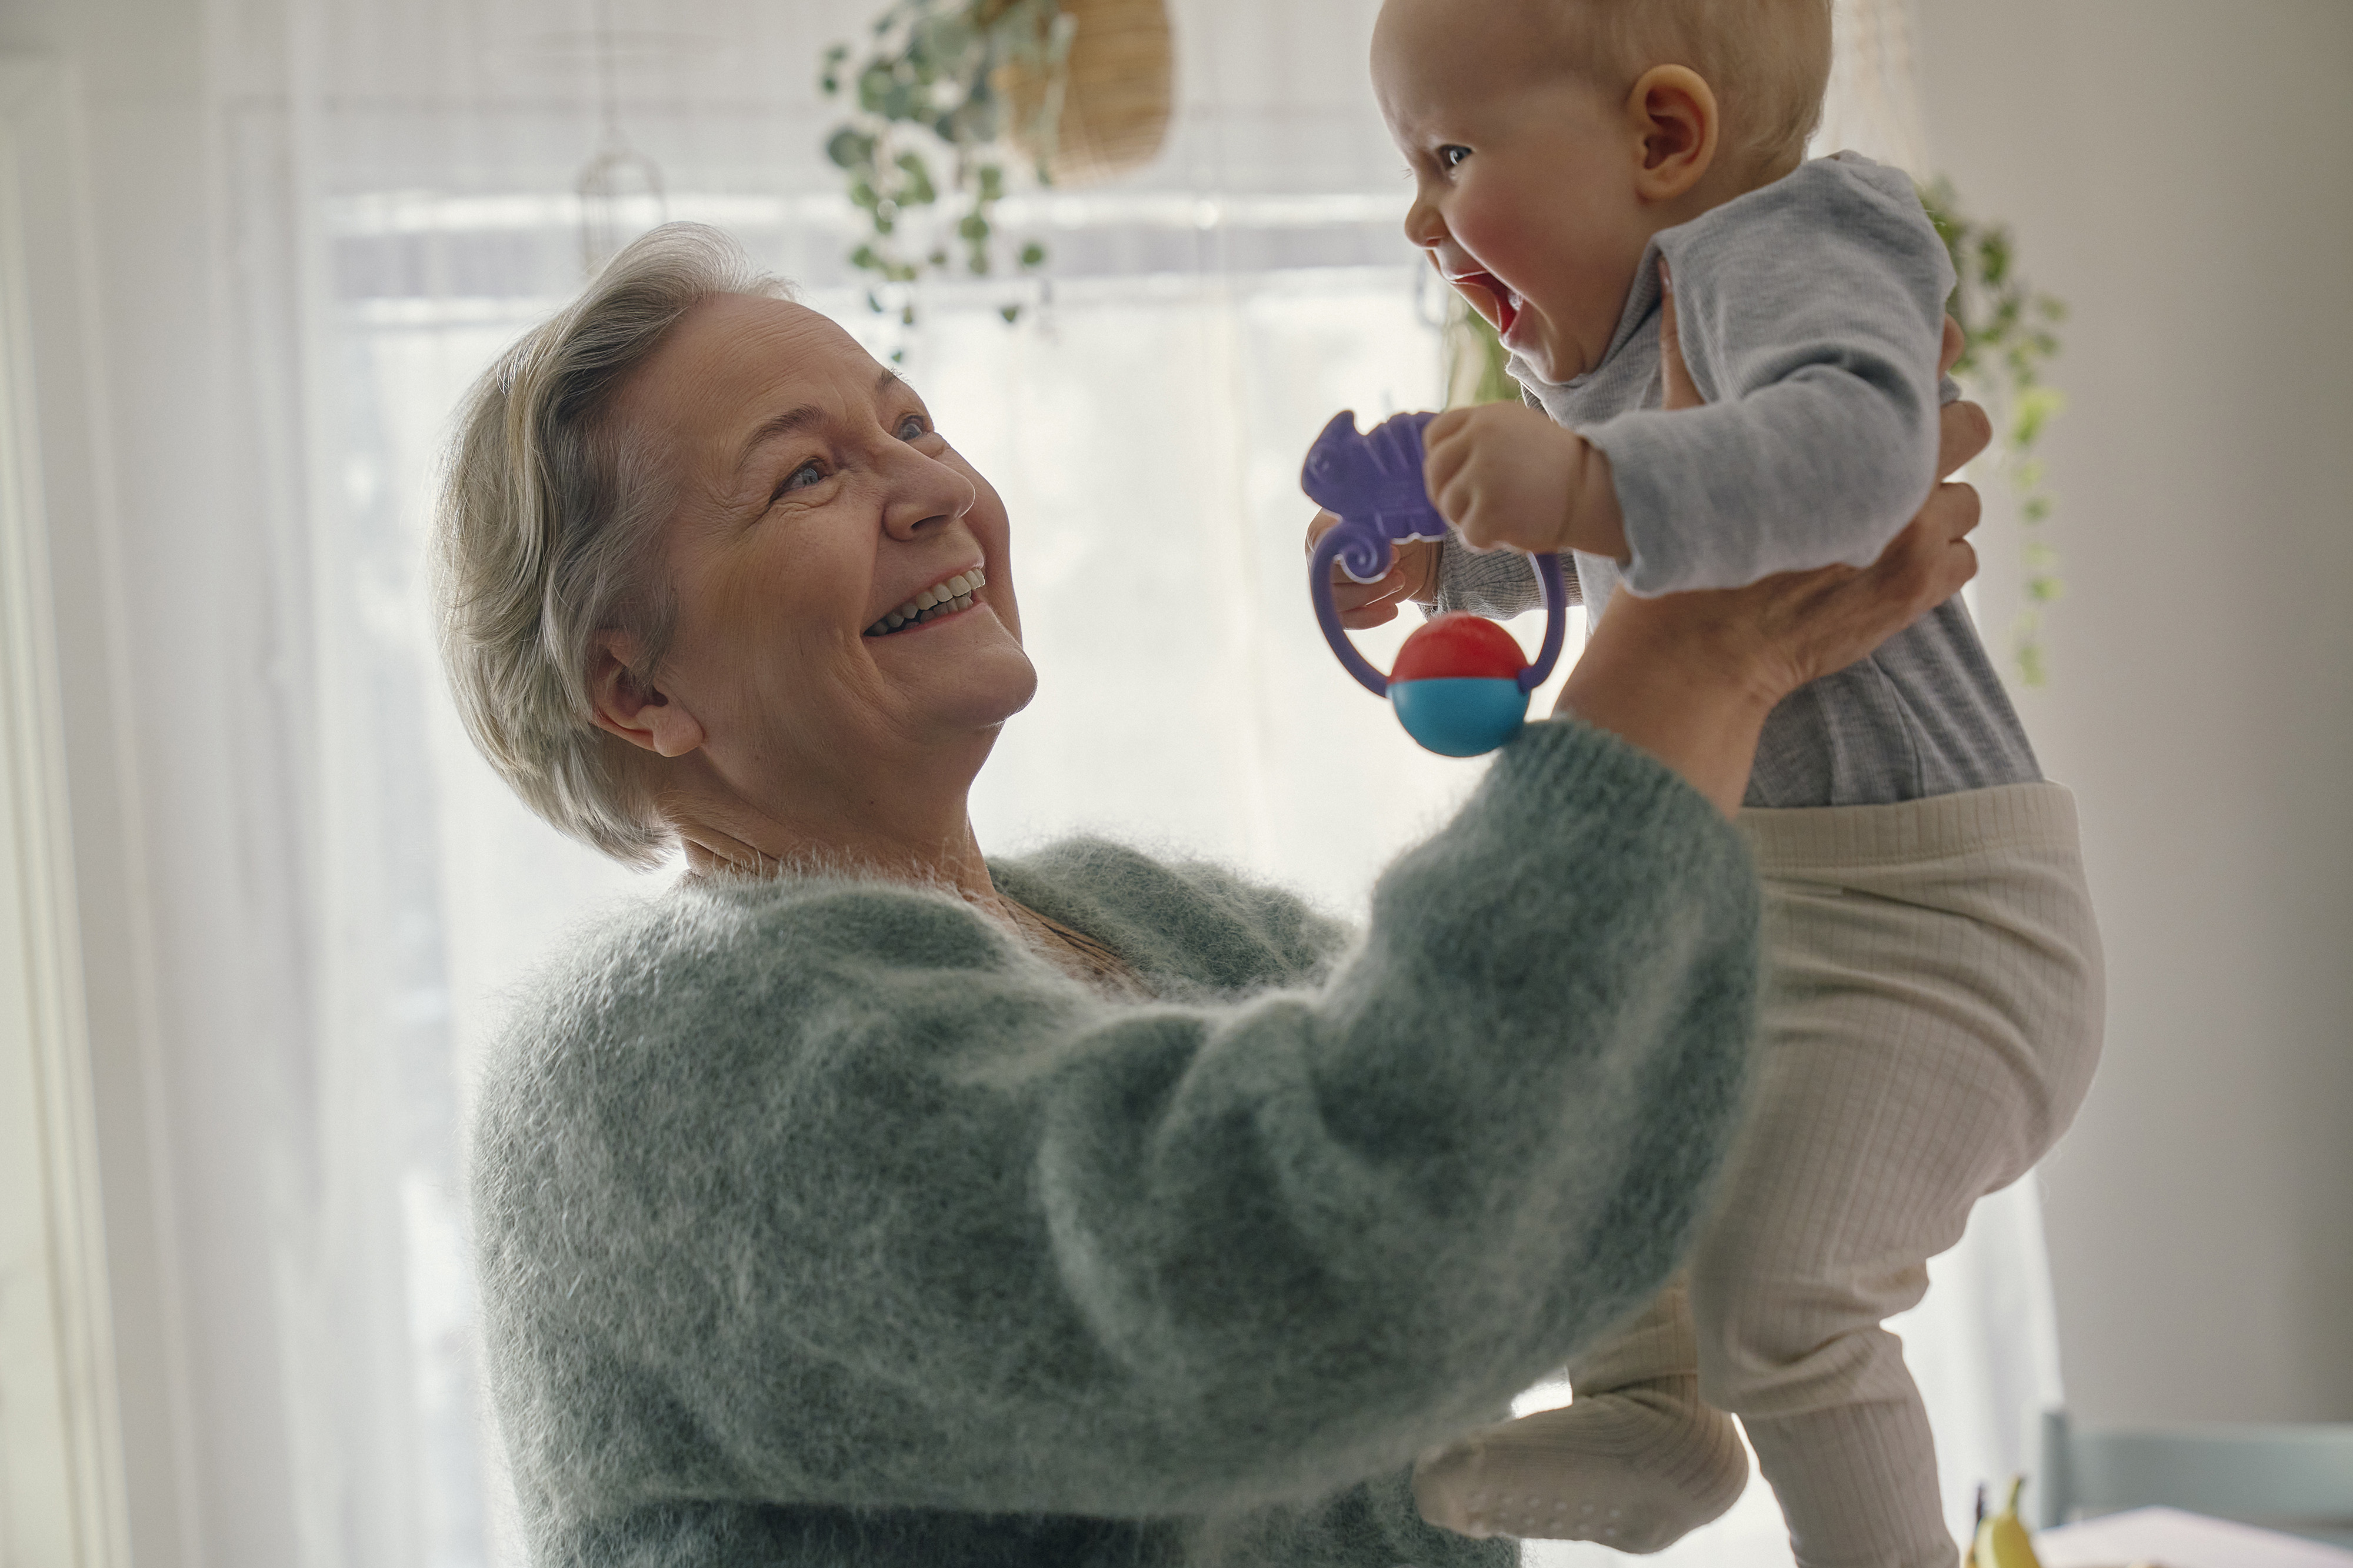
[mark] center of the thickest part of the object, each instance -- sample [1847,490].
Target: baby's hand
[1503,474]
[1413,574]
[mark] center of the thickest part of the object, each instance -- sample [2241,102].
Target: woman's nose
[926,495]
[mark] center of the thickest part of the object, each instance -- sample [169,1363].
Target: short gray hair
[547,532]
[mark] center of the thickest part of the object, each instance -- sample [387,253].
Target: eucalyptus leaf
[850,149]
[918,189]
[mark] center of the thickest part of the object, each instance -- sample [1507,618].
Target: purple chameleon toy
[1461,687]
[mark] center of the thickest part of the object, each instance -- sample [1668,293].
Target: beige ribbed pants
[1933,1008]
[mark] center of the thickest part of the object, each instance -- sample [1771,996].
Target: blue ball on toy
[1456,685]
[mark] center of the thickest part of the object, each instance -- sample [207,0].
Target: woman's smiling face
[813,501]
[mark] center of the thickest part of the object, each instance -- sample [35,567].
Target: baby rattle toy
[1459,687]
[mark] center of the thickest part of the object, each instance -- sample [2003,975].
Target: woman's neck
[922,836]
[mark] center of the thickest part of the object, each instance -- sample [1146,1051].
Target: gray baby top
[1810,311]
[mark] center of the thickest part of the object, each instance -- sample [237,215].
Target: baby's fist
[1505,475]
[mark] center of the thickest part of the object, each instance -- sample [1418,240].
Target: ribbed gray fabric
[1933,1016]
[1810,313]
[1935,998]
[1499,583]
[822,1224]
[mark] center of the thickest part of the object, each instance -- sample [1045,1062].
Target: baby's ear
[1674,113]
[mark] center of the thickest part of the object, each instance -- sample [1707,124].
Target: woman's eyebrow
[801,418]
[784,424]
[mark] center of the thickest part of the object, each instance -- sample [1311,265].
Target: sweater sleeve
[1811,314]
[834,1195]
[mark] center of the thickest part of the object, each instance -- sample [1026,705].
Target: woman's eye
[1450,157]
[809,473]
[914,427]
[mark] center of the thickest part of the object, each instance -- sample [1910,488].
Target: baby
[1934,994]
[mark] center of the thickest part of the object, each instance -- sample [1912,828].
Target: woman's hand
[1413,575]
[1690,677]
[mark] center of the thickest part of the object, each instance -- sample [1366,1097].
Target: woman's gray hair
[548,531]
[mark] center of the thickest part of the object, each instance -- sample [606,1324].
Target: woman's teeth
[946,599]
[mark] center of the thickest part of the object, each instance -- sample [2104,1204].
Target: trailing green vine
[2010,334]
[946,93]
[1473,358]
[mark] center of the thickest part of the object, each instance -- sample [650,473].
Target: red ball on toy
[1456,646]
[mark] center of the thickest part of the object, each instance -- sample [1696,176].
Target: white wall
[2181,172]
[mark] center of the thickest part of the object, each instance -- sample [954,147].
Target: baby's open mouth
[941,599]
[1487,294]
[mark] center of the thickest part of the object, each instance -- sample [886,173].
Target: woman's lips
[1486,293]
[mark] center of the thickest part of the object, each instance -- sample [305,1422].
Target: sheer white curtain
[400,172]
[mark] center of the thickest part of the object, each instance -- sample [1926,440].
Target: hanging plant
[929,117]
[956,94]
[2010,333]
[1117,88]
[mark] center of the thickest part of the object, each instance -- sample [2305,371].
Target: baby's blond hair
[1768,61]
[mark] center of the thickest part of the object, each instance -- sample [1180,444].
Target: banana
[2002,1540]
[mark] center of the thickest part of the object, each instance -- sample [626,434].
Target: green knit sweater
[822,1224]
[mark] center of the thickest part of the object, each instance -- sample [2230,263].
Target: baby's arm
[1502,474]
[1813,327]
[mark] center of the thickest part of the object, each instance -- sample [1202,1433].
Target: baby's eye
[1451,156]
[914,428]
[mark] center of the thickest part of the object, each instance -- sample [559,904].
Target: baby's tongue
[1488,296]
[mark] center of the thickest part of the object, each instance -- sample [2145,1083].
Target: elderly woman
[864,1202]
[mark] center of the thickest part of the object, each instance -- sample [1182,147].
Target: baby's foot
[1636,1468]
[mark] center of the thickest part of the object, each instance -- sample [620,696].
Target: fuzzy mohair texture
[821,1224]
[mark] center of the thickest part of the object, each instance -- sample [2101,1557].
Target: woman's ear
[633,708]
[1674,114]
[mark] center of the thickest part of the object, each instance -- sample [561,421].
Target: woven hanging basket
[1116,98]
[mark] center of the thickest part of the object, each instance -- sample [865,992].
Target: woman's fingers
[1962,432]
[1364,604]
[1930,561]
[1682,391]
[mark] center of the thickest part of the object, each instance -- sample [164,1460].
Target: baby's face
[1524,174]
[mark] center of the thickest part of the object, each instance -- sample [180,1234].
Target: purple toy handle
[1372,482]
